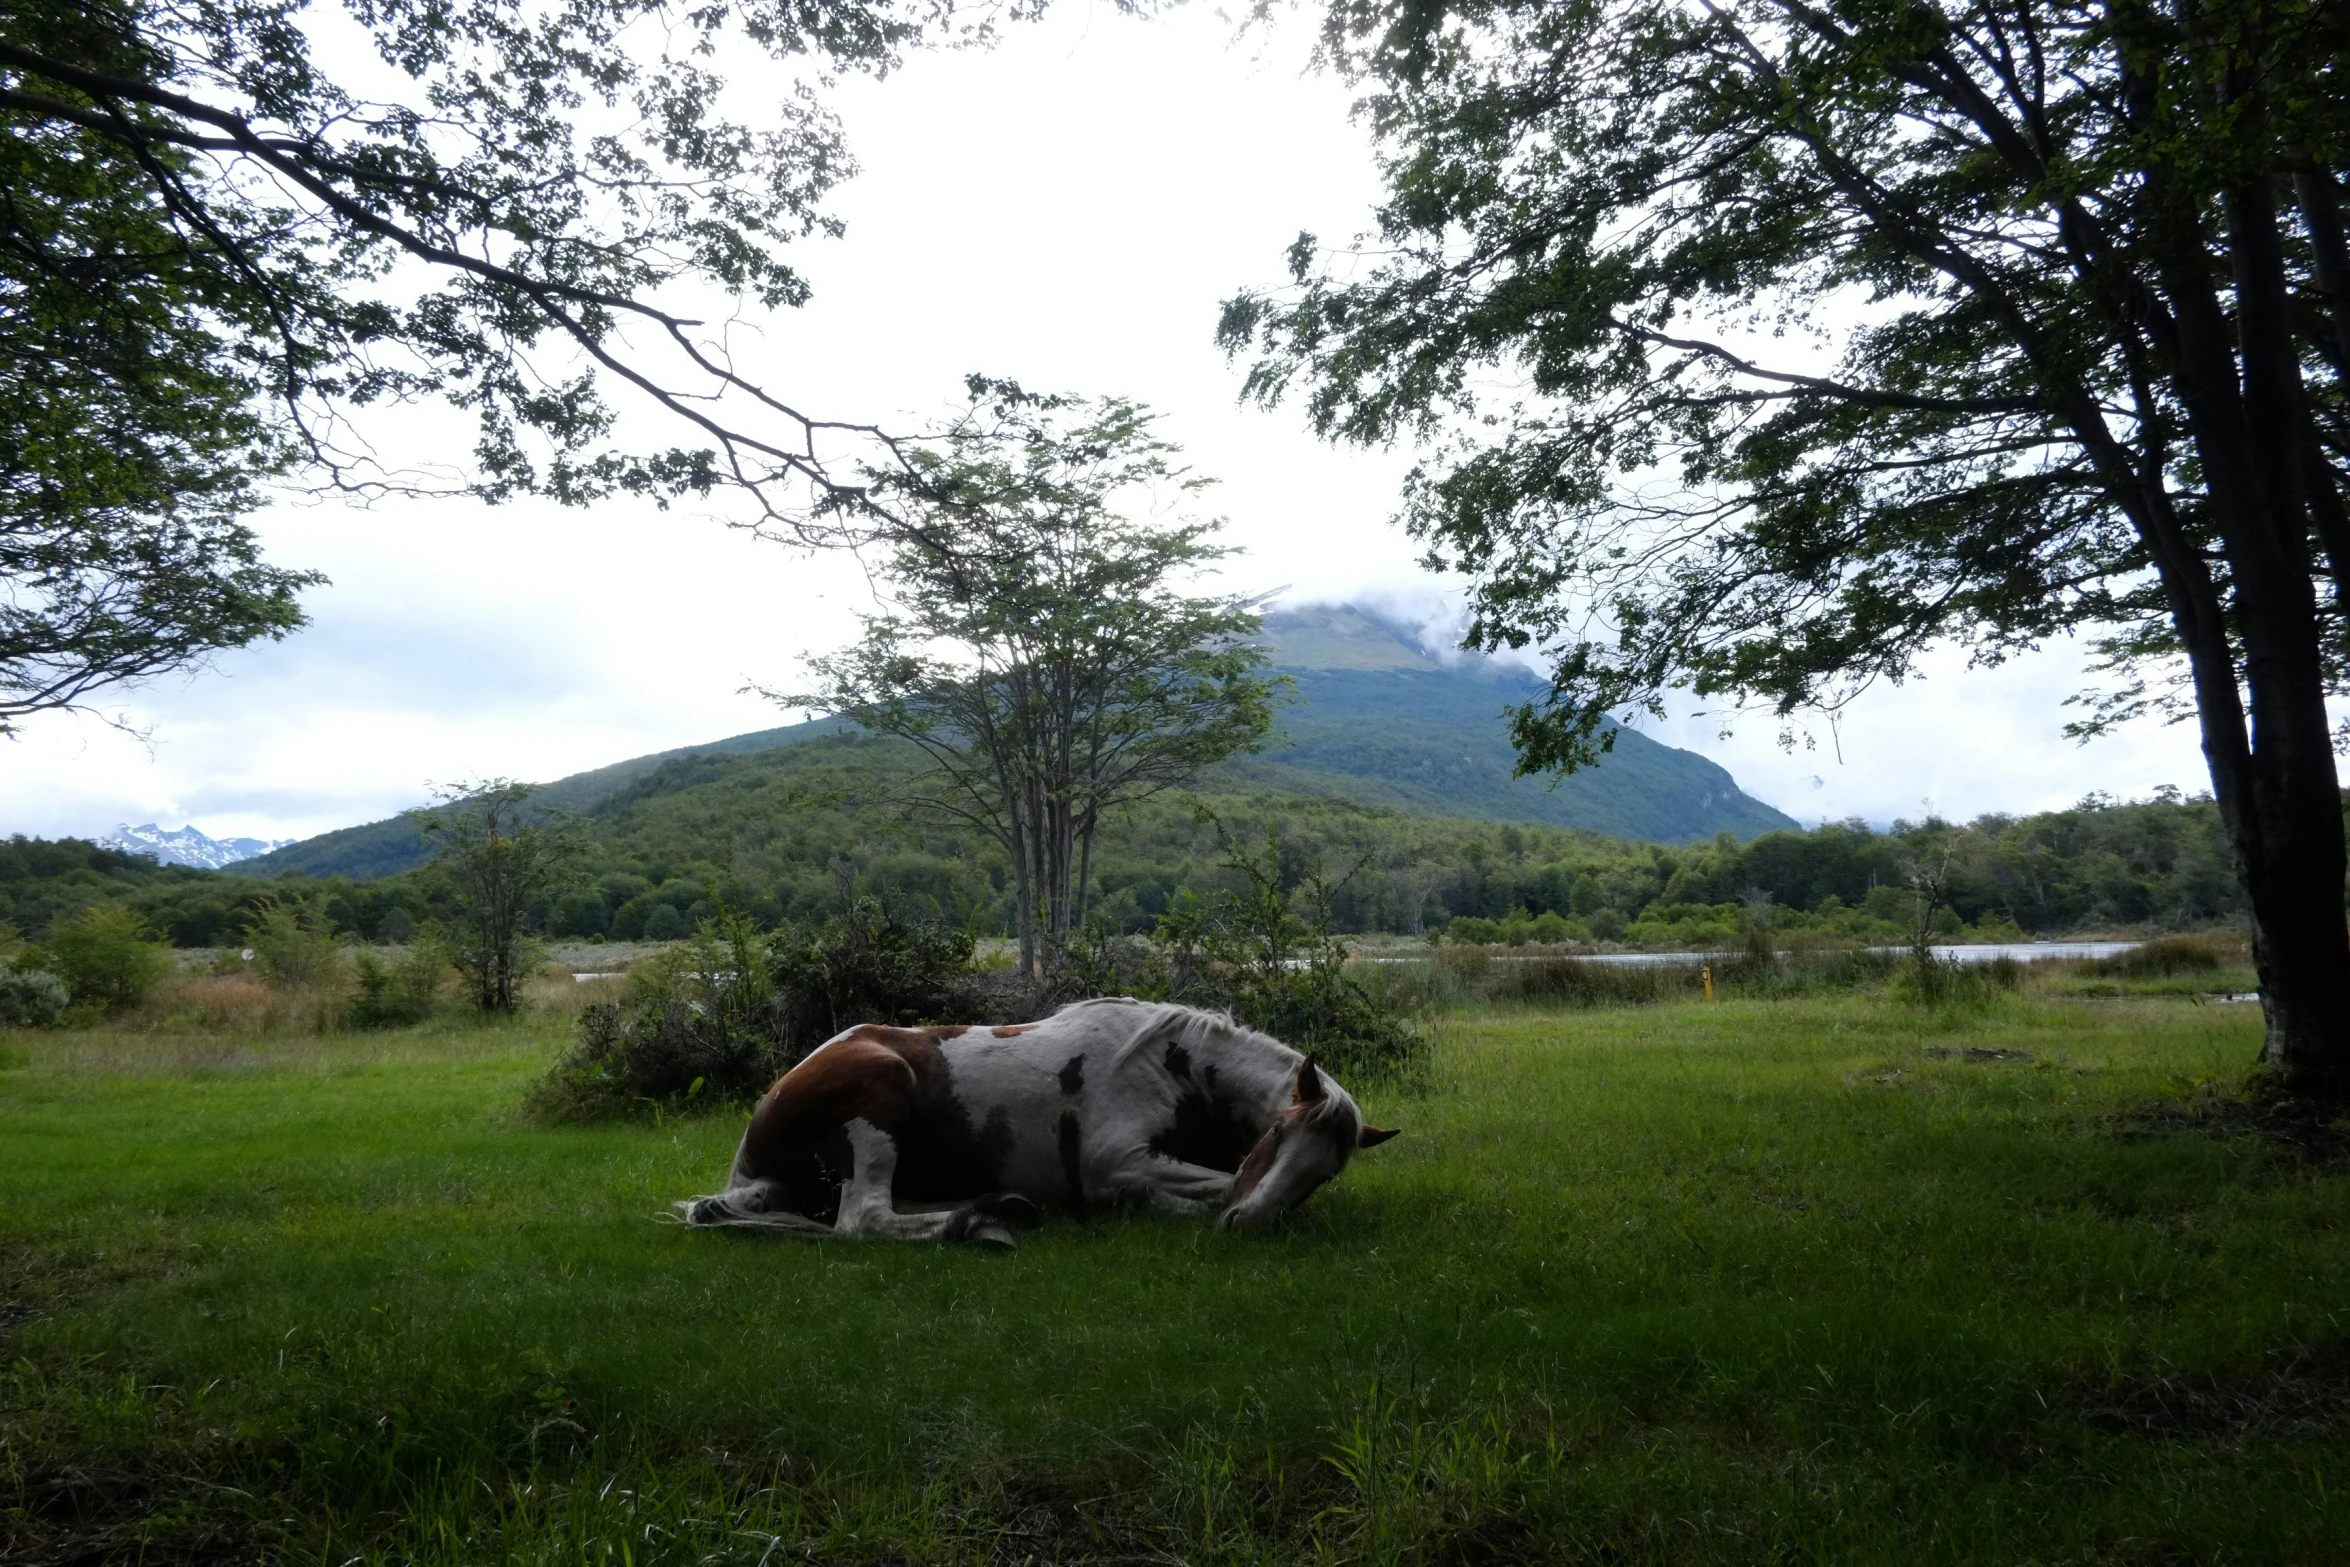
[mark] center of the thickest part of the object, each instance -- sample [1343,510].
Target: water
[2021,951]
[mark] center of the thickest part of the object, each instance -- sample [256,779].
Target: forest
[784,834]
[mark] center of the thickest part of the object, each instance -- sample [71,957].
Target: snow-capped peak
[187,846]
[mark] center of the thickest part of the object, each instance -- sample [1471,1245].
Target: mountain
[187,846]
[1379,721]
[1383,721]
[393,845]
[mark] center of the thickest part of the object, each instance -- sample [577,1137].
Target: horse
[956,1132]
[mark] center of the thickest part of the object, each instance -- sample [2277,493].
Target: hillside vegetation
[1376,720]
[783,833]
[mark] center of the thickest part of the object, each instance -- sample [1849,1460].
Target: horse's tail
[737,1208]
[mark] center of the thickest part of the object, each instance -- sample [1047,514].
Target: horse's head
[1307,1144]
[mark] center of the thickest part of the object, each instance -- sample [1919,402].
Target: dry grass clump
[2197,952]
[553,992]
[240,1003]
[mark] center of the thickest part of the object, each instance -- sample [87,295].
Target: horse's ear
[1373,1136]
[1309,1082]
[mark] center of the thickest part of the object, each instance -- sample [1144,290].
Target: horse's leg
[750,1205]
[866,1207]
[1166,1185]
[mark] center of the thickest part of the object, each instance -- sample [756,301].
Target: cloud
[1067,209]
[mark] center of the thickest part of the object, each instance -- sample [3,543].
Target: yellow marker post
[1708,972]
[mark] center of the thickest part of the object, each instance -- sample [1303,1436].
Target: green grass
[1760,1281]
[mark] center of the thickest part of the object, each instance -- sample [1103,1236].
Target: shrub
[868,964]
[397,993]
[1456,975]
[1576,983]
[106,955]
[2166,956]
[723,1015]
[664,923]
[1922,979]
[32,999]
[293,941]
[1253,953]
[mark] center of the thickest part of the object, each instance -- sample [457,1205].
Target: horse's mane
[1178,1023]
[1175,1022]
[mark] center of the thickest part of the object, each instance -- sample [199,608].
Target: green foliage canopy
[129,447]
[1037,644]
[490,232]
[1766,343]
[218,247]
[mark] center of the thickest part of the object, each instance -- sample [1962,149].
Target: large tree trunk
[2278,792]
[2294,869]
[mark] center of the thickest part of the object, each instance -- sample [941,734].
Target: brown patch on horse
[947,1030]
[942,1155]
[1012,1030]
[1258,1164]
[849,1079]
[917,1047]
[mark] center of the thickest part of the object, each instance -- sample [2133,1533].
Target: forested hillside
[1381,721]
[1375,719]
[782,833]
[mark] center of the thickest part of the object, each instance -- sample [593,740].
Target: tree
[1034,641]
[494,858]
[107,956]
[1825,332]
[128,451]
[216,250]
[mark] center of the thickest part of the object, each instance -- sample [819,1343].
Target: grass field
[1762,1281]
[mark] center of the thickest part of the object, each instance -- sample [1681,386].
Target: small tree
[293,942]
[1036,644]
[107,956]
[494,858]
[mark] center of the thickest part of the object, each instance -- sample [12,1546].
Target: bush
[32,999]
[1548,929]
[1254,954]
[868,964]
[106,955]
[293,941]
[401,992]
[2167,956]
[1455,975]
[722,1016]
[1922,979]
[1576,983]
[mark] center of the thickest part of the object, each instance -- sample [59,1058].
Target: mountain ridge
[1380,720]
[188,845]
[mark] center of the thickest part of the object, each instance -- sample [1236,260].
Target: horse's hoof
[1010,1207]
[989,1233]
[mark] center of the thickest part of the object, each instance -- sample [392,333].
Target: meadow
[1828,1278]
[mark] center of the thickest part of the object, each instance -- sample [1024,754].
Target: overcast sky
[1067,210]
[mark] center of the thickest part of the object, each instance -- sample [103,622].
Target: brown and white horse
[948,1133]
